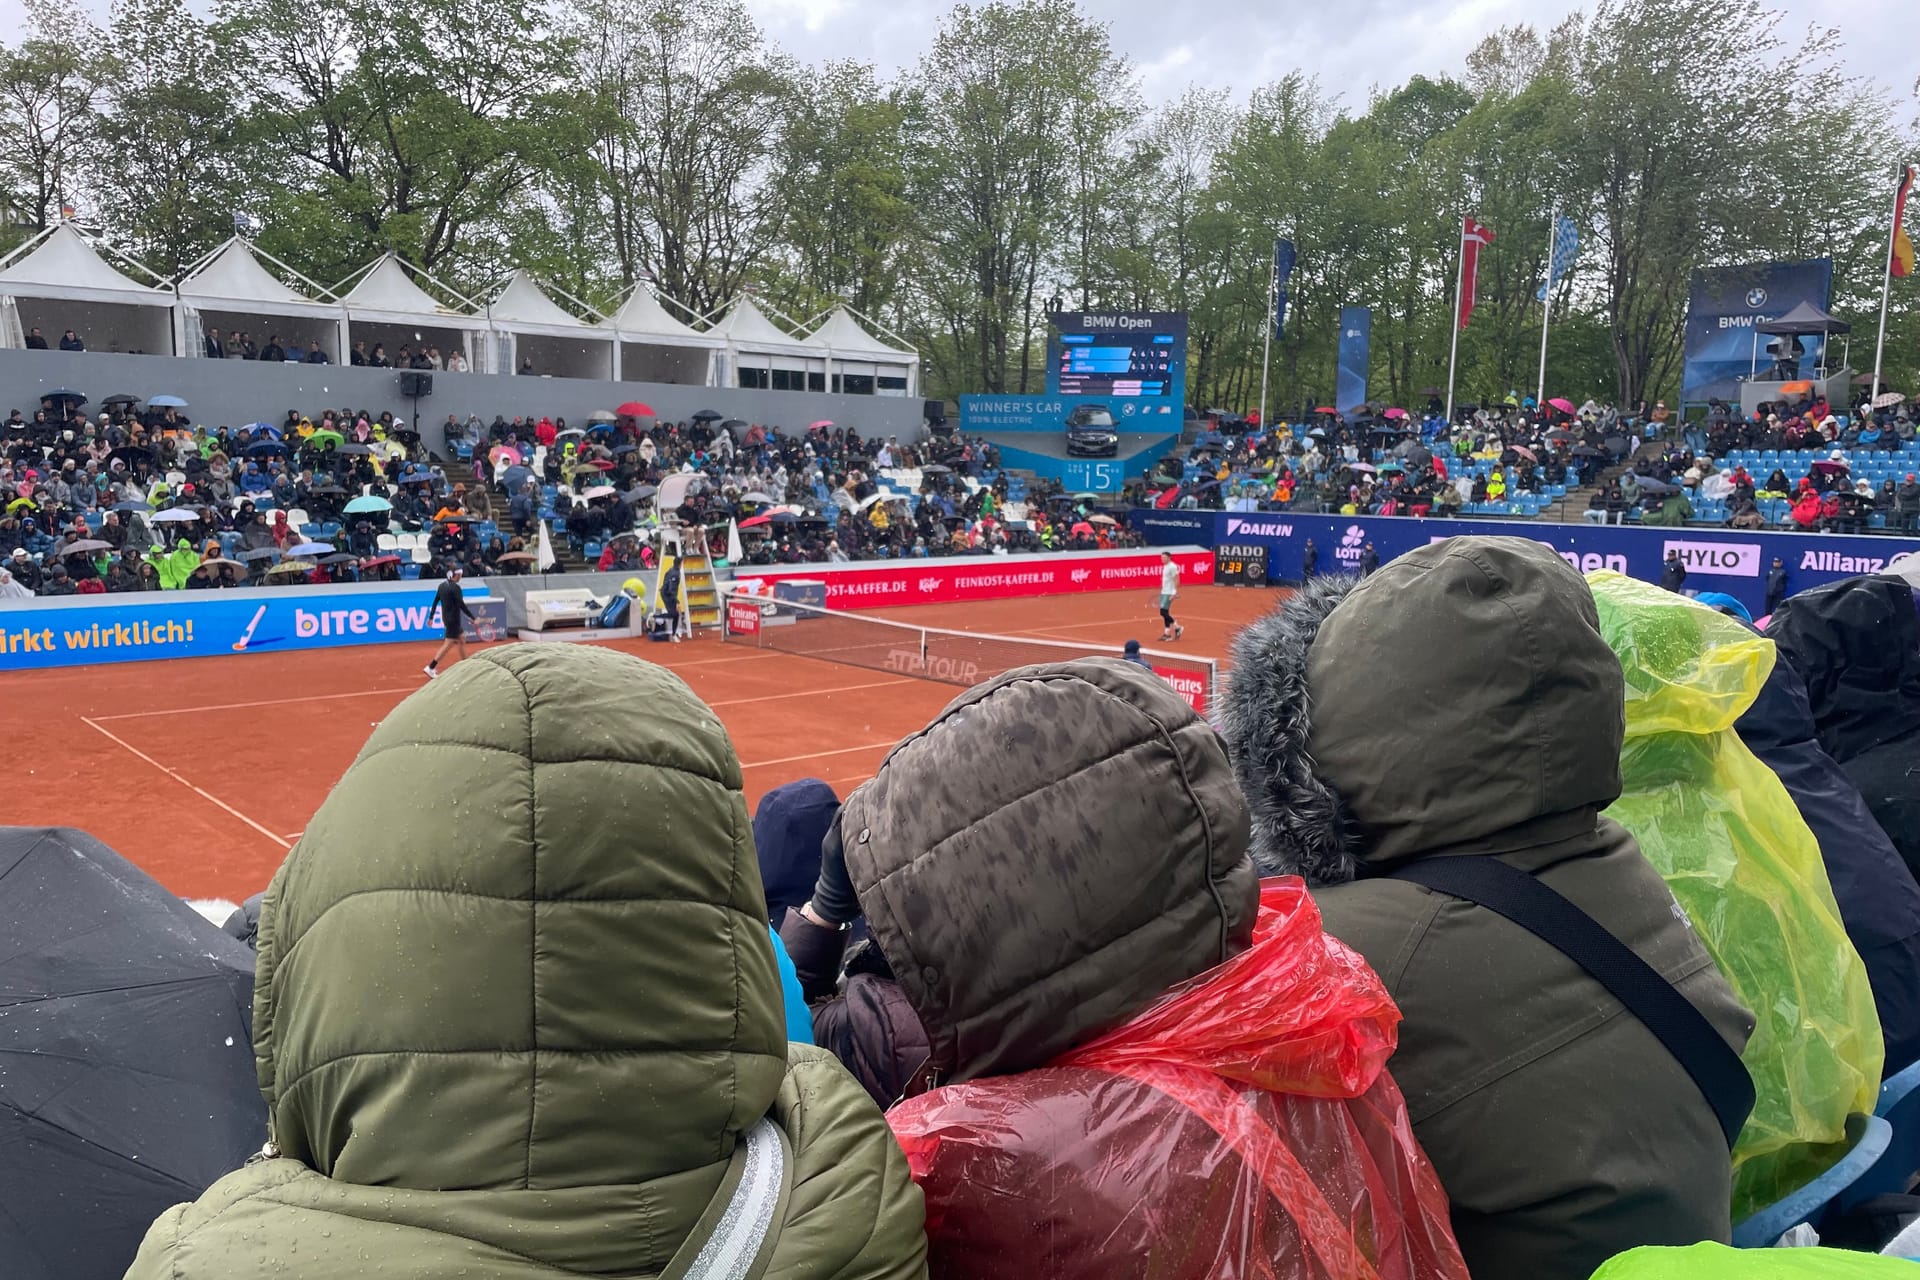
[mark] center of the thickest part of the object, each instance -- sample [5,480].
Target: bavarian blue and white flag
[1566,248]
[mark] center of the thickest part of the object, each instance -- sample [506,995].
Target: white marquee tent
[655,347]
[58,281]
[542,334]
[231,291]
[861,364]
[761,354]
[386,308]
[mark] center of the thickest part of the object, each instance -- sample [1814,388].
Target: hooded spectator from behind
[788,828]
[544,1038]
[1562,1128]
[1856,643]
[1090,859]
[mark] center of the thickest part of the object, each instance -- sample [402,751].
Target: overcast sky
[1351,45]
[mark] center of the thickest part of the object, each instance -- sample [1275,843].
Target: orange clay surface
[204,771]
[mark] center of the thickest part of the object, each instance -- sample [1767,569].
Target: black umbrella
[132,453]
[640,493]
[353,450]
[1585,451]
[1649,484]
[733,423]
[784,517]
[708,415]
[125,1029]
[130,506]
[340,557]
[936,469]
[64,393]
[329,491]
[259,553]
[120,397]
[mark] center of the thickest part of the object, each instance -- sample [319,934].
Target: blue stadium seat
[1869,1137]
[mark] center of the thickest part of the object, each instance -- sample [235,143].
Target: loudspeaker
[415,383]
[934,410]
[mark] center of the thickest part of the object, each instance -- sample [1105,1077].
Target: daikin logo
[1258,528]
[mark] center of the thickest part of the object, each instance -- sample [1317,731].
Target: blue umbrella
[166,402]
[515,476]
[311,549]
[264,448]
[263,429]
[368,502]
[130,506]
[600,427]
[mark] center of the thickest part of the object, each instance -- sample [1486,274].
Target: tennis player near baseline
[454,612]
[1169,588]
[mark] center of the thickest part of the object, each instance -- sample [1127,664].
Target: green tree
[49,91]
[163,146]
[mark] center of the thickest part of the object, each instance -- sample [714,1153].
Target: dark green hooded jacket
[516,1007]
[1461,700]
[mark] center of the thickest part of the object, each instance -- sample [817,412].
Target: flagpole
[1546,306]
[1459,278]
[1886,279]
[1266,347]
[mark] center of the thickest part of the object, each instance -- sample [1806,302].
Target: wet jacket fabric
[1856,643]
[1461,700]
[528,1041]
[1878,897]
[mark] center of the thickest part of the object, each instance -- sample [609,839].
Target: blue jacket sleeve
[799,1017]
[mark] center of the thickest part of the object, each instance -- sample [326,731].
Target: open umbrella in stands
[66,394]
[125,1030]
[172,515]
[311,549]
[121,397]
[166,402]
[597,491]
[85,545]
[1526,453]
[1561,403]
[602,415]
[1887,399]
[368,503]
[708,415]
[634,409]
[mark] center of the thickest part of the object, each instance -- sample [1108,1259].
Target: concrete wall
[234,392]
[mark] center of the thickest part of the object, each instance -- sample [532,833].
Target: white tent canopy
[764,355]
[59,282]
[386,308]
[655,347]
[542,337]
[231,291]
[862,364]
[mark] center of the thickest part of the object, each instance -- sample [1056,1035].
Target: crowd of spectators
[131,499]
[1037,974]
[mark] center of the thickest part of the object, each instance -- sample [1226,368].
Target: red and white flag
[1472,236]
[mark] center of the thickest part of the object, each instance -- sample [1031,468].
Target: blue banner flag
[1356,342]
[1566,249]
[1283,258]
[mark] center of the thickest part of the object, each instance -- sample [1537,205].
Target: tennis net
[931,653]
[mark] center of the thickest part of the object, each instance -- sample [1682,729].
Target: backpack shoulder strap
[735,1236]
[1674,1021]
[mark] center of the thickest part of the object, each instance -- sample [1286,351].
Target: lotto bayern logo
[1354,536]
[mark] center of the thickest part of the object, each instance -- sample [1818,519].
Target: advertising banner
[1724,560]
[1725,303]
[983,415]
[1356,349]
[1012,577]
[196,624]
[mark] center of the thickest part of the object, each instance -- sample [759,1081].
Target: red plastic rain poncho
[1243,1126]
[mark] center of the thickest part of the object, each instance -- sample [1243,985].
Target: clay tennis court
[204,771]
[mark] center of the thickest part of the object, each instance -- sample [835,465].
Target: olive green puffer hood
[516,1009]
[466,1002]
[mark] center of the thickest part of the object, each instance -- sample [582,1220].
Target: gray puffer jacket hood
[1376,720]
[1058,848]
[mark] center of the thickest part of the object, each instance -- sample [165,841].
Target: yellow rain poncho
[1732,846]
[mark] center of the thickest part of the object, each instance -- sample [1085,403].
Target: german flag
[1902,243]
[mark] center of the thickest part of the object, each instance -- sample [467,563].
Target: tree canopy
[1016,162]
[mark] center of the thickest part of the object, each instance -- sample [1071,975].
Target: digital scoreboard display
[1122,354]
[1240,566]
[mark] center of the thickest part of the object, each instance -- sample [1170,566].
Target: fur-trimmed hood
[1461,694]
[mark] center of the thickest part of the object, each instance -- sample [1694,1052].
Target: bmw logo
[1756,298]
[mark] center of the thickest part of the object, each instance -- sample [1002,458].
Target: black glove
[833,898]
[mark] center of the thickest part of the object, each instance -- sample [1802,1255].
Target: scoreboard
[1240,566]
[1125,354]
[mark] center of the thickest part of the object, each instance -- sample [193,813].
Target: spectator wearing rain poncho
[174,567]
[1725,833]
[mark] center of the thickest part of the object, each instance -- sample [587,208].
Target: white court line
[243,706]
[822,755]
[204,795]
[812,693]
